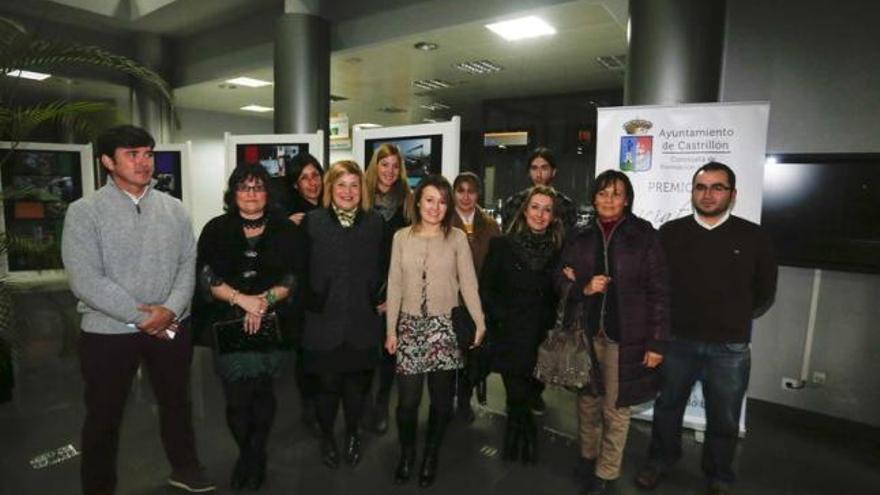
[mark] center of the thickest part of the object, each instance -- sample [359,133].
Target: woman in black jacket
[517,290]
[250,265]
[304,180]
[343,330]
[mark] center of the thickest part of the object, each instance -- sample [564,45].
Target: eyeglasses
[715,188]
[243,188]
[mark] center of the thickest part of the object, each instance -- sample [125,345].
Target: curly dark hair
[240,175]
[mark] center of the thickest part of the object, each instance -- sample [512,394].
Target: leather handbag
[464,327]
[564,357]
[230,336]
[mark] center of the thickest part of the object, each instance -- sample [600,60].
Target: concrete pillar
[302,71]
[675,51]
[148,110]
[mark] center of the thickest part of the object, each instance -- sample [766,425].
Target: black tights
[250,409]
[351,388]
[441,386]
[519,389]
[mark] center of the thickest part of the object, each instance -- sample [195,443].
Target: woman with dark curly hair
[250,265]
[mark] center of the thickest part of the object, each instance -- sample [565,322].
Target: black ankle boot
[352,449]
[329,452]
[406,428]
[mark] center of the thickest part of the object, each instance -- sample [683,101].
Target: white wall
[818,64]
[206,171]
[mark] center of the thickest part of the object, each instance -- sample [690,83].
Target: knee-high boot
[512,434]
[436,428]
[530,438]
[406,430]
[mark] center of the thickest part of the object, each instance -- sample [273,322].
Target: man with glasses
[722,275]
[130,256]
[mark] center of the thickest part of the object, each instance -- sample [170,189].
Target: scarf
[535,250]
[387,204]
[345,217]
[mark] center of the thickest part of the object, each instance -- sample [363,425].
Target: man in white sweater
[130,256]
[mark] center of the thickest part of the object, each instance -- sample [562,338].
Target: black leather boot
[530,438]
[512,434]
[352,449]
[406,429]
[436,428]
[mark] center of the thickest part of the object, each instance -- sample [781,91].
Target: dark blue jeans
[724,372]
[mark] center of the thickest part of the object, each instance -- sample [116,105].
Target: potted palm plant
[21,49]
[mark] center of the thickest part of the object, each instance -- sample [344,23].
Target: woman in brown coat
[480,229]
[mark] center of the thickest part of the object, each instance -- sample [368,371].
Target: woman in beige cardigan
[430,265]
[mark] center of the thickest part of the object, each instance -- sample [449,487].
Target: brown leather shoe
[649,477]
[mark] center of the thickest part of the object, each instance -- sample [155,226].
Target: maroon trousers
[108,364]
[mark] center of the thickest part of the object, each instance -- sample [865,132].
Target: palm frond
[17,123]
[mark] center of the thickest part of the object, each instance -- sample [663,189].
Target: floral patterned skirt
[426,343]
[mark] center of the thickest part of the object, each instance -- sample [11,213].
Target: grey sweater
[119,255]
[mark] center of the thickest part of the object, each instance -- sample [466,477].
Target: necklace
[253,223]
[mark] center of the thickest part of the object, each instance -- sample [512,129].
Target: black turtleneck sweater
[720,279]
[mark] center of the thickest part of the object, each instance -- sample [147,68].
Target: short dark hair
[298,164]
[240,175]
[541,152]
[469,177]
[122,136]
[442,185]
[714,167]
[608,178]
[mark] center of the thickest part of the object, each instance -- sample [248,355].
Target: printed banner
[660,148]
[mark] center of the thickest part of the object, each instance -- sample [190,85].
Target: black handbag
[464,327]
[230,336]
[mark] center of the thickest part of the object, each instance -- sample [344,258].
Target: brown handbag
[564,357]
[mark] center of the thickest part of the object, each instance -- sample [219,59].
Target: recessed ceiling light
[431,84]
[426,46]
[391,110]
[612,62]
[26,74]
[435,106]
[479,67]
[250,82]
[367,125]
[524,27]
[257,108]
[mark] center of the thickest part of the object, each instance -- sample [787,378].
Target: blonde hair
[336,171]
[555,228]
[372,178]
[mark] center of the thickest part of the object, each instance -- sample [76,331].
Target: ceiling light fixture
[26,74]
[426,46]
[612,62]
[479,67]
[435,106]
[367,125]
[522,28]
[391,110]
[431,84]
[249,82]
[257,108]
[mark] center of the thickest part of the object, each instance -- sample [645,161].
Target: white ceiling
[381,75]
[376,75]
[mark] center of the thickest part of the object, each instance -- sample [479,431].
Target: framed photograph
[426,148]
[39,181]
[273,151]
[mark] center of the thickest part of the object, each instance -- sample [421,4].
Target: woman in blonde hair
[388,194]
[343,329]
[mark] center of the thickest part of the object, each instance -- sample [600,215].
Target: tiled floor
[779,456]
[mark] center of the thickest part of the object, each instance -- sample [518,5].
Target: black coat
[347,273]
[280,253]
[640,290]
[519,302]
